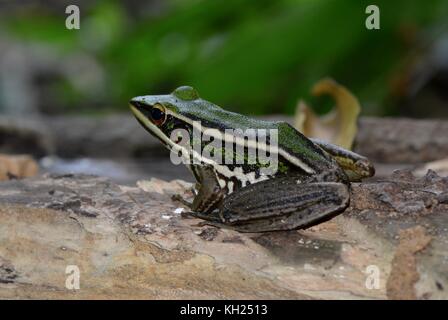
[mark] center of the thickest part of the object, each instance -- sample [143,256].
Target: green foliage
[252,56]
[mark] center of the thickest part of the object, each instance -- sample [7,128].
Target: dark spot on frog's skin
[439,286]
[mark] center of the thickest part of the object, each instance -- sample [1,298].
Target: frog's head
[161,115]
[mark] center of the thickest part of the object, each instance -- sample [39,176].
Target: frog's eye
[158,115]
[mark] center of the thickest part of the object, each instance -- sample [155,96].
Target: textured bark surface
[132,242]
[401,140]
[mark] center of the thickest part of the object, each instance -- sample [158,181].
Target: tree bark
[132,242]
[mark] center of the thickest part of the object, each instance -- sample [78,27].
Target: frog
[310,182]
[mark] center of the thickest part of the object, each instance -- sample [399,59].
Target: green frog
[309,183]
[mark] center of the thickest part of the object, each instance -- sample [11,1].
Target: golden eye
[158,115]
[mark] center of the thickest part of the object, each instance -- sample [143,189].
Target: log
[133,242]
[402,140]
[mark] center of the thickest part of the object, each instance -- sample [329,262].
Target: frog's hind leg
[211,218]
[283,204]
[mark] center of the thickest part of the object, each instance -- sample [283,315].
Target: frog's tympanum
[310,184]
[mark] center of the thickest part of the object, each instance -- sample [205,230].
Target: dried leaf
[21,166]
[340,125]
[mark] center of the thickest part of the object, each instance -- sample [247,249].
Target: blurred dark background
[64,93]
[257,57]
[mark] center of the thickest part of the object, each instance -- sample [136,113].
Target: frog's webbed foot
[283,204]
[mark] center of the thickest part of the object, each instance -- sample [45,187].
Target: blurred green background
[255,57]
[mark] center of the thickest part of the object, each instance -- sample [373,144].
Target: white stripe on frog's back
[242,142]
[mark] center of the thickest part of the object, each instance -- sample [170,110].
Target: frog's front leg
[209,193]
[281,204]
